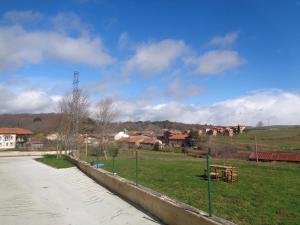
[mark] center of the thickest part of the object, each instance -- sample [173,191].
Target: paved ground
[32,193]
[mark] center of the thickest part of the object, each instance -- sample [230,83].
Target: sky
[209,62]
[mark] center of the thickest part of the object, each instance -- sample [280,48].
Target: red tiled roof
[18,131]
[178,136]
[149,141]
[131,139]
[275,156]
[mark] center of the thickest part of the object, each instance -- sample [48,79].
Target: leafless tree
[68,107]
[106,113]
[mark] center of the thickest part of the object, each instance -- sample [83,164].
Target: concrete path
[32,193]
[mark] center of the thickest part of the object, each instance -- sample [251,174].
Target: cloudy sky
[219,62]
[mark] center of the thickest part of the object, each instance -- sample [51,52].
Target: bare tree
[69,109]
[106,113]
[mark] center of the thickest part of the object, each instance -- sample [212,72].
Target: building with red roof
[11,138]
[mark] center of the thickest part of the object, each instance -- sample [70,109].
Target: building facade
[11,138]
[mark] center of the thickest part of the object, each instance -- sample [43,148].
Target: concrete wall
[167,210]
[25,153]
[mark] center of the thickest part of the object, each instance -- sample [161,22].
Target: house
[178,140]
[213,131]
[11,138]
[140,142]
[228,132]
[175,138]
[120,135]
[52,137]
[132,141]
[149,142]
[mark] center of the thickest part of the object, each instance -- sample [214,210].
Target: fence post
[114,171]
[136,167]
[209,183]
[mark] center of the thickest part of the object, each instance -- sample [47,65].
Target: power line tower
[75,111]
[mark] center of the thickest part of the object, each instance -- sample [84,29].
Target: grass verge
[53,161]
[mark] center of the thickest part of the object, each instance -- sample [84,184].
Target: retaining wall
[25,153]
[167,210]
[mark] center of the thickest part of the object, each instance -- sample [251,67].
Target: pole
[256,149]
[209,183]
[86,148]
[114,171]
[136,167]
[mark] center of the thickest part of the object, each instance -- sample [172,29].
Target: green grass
[53,161]
[275,138]
[267,193]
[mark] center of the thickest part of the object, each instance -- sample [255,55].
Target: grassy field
[267,193]
[53,161]
[275,138]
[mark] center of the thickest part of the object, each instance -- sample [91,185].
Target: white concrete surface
[32,193]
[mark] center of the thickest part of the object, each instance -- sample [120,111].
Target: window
[0,138]
[6,138]
[6,144]
[11,144]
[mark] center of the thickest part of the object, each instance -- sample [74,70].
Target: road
[32,193]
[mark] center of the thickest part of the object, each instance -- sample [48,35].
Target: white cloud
[123,40]
[216,62]
[21,16]
[224,41]
[155,57]
[19,47]
[274,107]
[26,101]
[180,90]
[68,22]
[271,107]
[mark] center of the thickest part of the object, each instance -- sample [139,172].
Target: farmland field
[275,138]
[267,193]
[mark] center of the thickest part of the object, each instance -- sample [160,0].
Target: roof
[135,139]
[19,131]
[149,141]
[178,136]
[275,156]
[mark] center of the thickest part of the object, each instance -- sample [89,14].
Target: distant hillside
[49,122]
[44,122]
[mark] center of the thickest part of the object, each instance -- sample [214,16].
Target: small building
[120,135]
[52,137]
[178,140]
[213,132]
[11,138]
[132,141]
[149,142]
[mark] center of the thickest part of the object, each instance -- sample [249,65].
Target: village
[19,138]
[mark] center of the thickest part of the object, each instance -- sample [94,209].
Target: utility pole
[209,183]
[86,147]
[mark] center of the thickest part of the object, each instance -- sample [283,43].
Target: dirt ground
[32,193]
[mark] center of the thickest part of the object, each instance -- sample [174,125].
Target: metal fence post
[209,183]
[114,171]
[136,167]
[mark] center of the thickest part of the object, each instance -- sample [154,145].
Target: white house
[120,135]
[52,137]
[10,138]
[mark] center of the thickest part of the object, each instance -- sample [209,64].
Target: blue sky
[218,62]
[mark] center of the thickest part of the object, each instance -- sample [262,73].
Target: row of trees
[73,112]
